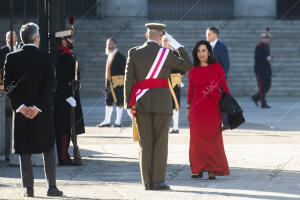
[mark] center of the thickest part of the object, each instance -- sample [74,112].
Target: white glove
[270,58]
[71,101]
[181,84]
[173,42]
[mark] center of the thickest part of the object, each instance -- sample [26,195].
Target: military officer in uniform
[175,80]
[147,92]
[114,83]
[262,69]
[67,70]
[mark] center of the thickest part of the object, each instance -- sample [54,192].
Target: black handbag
[233,110]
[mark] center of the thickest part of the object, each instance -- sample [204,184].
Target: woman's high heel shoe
[211,176]
[197,175]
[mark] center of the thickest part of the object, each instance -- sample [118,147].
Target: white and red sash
[154,70]
[151,81]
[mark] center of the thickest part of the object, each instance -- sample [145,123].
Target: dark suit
[8,111]
[3,52]
[117,69]
[154,109]
[28,80]
[221,55]
[65,73]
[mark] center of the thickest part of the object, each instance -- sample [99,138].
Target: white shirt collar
[213,44]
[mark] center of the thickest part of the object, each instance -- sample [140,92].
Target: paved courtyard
[263,155]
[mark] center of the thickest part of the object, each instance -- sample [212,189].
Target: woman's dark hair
[211,58]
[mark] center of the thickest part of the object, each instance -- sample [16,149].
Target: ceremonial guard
[147,93]
[114,83]
[262,69]
[67,82]
[175,81]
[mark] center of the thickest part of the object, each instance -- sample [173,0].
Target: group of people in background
[42,97]
[147,85]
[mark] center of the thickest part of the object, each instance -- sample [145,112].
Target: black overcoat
[3,52]
[65,72]
[233,110]
[262,65]
[28,79]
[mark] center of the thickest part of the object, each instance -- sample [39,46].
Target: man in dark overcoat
[28,81]
[8,110]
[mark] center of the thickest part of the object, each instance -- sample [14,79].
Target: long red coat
[206,142]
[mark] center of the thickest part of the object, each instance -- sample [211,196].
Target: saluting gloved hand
[71,101]
[173,42]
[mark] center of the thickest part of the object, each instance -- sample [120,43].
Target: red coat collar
[65,50]
[262,44]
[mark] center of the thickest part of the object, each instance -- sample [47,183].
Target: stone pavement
[263,155]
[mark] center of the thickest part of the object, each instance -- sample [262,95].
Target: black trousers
[264,85]
[63,143]
[49,167]
[119,91]
[177,94]
[8,127]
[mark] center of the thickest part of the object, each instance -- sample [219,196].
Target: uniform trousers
[153,130]
[264,85]
[63,144]
[119,92]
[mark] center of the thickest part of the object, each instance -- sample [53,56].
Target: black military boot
[54,192]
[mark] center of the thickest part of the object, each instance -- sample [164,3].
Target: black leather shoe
[255,101]
[54,192]
[159,186]
[117,125]
[66,163]
[147,187]
[174,131]
[101,125]
[29,192]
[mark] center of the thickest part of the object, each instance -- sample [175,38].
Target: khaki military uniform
[154,108]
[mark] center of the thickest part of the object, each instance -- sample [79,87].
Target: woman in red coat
[206,80]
